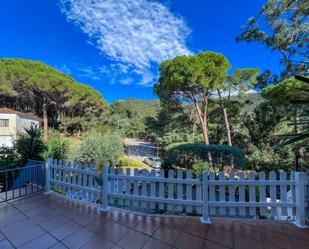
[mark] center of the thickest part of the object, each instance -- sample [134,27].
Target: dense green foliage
[100,149]
[282,27]
[254,121]
[173,126]
[294,95]
[129,116]
[128,162]
[32,86]
[9,158]
[189,156]
[186,76]
[254,129]
[190,79]
[57,147]
[29,144]
[287,91]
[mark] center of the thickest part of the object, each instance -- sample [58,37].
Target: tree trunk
[226,121]
[299,153]
[45,118]
[227,125]
[203,121]
[205,135]
[287,64]
[297,120]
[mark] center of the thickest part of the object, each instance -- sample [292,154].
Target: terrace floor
[54,222]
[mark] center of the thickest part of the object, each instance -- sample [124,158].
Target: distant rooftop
[20,114]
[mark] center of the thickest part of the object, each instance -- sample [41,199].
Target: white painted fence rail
[227,195]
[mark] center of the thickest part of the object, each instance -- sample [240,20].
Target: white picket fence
[226,195]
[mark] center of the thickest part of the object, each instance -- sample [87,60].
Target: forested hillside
[130,116]
[254,122]
[65,105]
[71,108]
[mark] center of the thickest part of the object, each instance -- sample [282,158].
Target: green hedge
[188,155]
[127,162]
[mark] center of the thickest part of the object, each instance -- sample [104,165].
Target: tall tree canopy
[191,79]
[294,94]
[34,86]
[282,26]
[241,81]
[286,91]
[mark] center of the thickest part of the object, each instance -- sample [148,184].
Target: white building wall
[8,134]
[16,125]
[24,123]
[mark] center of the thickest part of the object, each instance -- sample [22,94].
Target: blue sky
[117,46]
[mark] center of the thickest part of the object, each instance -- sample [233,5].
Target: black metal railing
[20,182]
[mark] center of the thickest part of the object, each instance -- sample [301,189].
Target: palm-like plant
[30,144]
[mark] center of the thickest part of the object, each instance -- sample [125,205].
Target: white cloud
[88,72]
[135,34]
[252,91]
[232,93]
[63,68]
[123,68]
[126,81]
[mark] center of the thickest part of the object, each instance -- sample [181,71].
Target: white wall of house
[6,141]
[23,123]
[17,124]
[7,134]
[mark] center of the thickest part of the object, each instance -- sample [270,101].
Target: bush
[100,150]
[194,156]
[128,162]
[101,128]
[56,147]
[8,158]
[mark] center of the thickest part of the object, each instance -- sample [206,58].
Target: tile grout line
[7,239]
[259,229]
[206,233]
[233,234]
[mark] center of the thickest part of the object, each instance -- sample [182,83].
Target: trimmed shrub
[128,162]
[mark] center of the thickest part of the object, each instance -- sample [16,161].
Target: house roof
[20,114]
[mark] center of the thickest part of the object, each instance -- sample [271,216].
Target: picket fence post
[48,164]
[300,183]
[104,190]
[205,218]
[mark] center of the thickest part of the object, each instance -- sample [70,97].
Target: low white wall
[6,141]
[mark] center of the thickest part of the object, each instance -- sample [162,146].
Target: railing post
[48,164]
[205,218]
[301,181]
[104,190]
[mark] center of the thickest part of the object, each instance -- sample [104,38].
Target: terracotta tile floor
[40,222]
